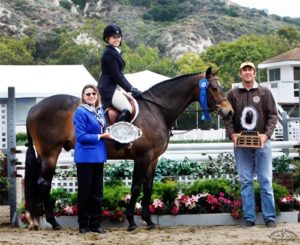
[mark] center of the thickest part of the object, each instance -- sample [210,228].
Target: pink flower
[23,218]
[68,210]
[286,199]
[221,194]
[75,210]
[151,208]
[195,198]
[158,203]
[175,210]
[106,213]
[211,199]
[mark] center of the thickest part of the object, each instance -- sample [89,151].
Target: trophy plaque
[249,139]
[124,132]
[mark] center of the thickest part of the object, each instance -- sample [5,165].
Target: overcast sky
[282,8]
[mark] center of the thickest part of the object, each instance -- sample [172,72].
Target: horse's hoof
[132,228]
[33,227]
[149,222]
[150,227]
[56,227]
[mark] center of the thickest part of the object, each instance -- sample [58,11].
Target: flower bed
[184,219]
[173,199]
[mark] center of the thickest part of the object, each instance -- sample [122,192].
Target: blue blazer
[88,149]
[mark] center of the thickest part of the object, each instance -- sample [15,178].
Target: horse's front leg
[135,192]
[147,189]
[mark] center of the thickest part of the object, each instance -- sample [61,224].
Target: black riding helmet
[111,30]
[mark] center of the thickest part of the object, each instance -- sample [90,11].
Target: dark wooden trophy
[249,139]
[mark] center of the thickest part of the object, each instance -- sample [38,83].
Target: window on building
[296,73]
[296,89]
[274,85]
[274,74]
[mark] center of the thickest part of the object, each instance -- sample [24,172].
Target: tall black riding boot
[125,116]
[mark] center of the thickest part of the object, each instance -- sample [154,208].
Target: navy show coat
[112,66]
[88,149]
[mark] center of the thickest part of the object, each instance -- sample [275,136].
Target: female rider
[112,78]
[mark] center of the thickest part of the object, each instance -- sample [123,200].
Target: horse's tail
[32,171]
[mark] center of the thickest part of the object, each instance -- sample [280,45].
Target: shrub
[165,191]
[21,138]
[282,164]
[213,186]
[119,170]
[65,4]
[113,194]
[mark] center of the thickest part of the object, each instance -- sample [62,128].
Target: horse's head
[215,97]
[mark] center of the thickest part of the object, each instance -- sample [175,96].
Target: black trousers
[90,194]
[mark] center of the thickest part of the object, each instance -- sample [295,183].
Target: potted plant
[283,172]
[296,175]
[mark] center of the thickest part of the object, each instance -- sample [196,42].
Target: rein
[154,102]
[202,99]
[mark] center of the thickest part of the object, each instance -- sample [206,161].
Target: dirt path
[284,234]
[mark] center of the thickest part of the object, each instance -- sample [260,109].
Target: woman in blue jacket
[90,155]
[112,78]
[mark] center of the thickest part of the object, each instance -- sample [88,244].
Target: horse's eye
[214,84]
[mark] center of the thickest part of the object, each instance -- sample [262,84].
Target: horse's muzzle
[225,113]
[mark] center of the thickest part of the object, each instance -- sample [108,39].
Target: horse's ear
[208,72]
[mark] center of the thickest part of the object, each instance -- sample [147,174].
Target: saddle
[112,113]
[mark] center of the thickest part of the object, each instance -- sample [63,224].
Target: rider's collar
[255,85]
[119,50]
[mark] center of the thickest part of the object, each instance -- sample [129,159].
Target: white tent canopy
[145,79]
[45,80]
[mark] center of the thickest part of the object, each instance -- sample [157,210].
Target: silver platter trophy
[124,132]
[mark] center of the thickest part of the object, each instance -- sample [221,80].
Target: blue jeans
[256,161]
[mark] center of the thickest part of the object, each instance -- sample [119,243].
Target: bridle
[203,85]
[215,108]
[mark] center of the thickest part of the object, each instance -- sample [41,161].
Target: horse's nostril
[230,114]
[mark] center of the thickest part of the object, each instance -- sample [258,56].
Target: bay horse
[50,128]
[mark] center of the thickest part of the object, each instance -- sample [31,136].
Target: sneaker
[248,223]
[270,223]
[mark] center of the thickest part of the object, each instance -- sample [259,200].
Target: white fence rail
[195,152]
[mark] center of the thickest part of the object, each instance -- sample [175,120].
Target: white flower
[138,205]
[127,198]
[2,156]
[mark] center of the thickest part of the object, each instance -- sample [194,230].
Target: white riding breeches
[120,102]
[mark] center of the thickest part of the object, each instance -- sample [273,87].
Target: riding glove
[136,93]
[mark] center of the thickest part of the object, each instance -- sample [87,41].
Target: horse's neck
[175,96]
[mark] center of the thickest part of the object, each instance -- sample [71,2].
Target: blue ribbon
[203,85]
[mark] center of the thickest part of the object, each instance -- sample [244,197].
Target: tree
[83,46]
[190,63]
[147,58]
[16,51]
[290,34]
[228,56]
